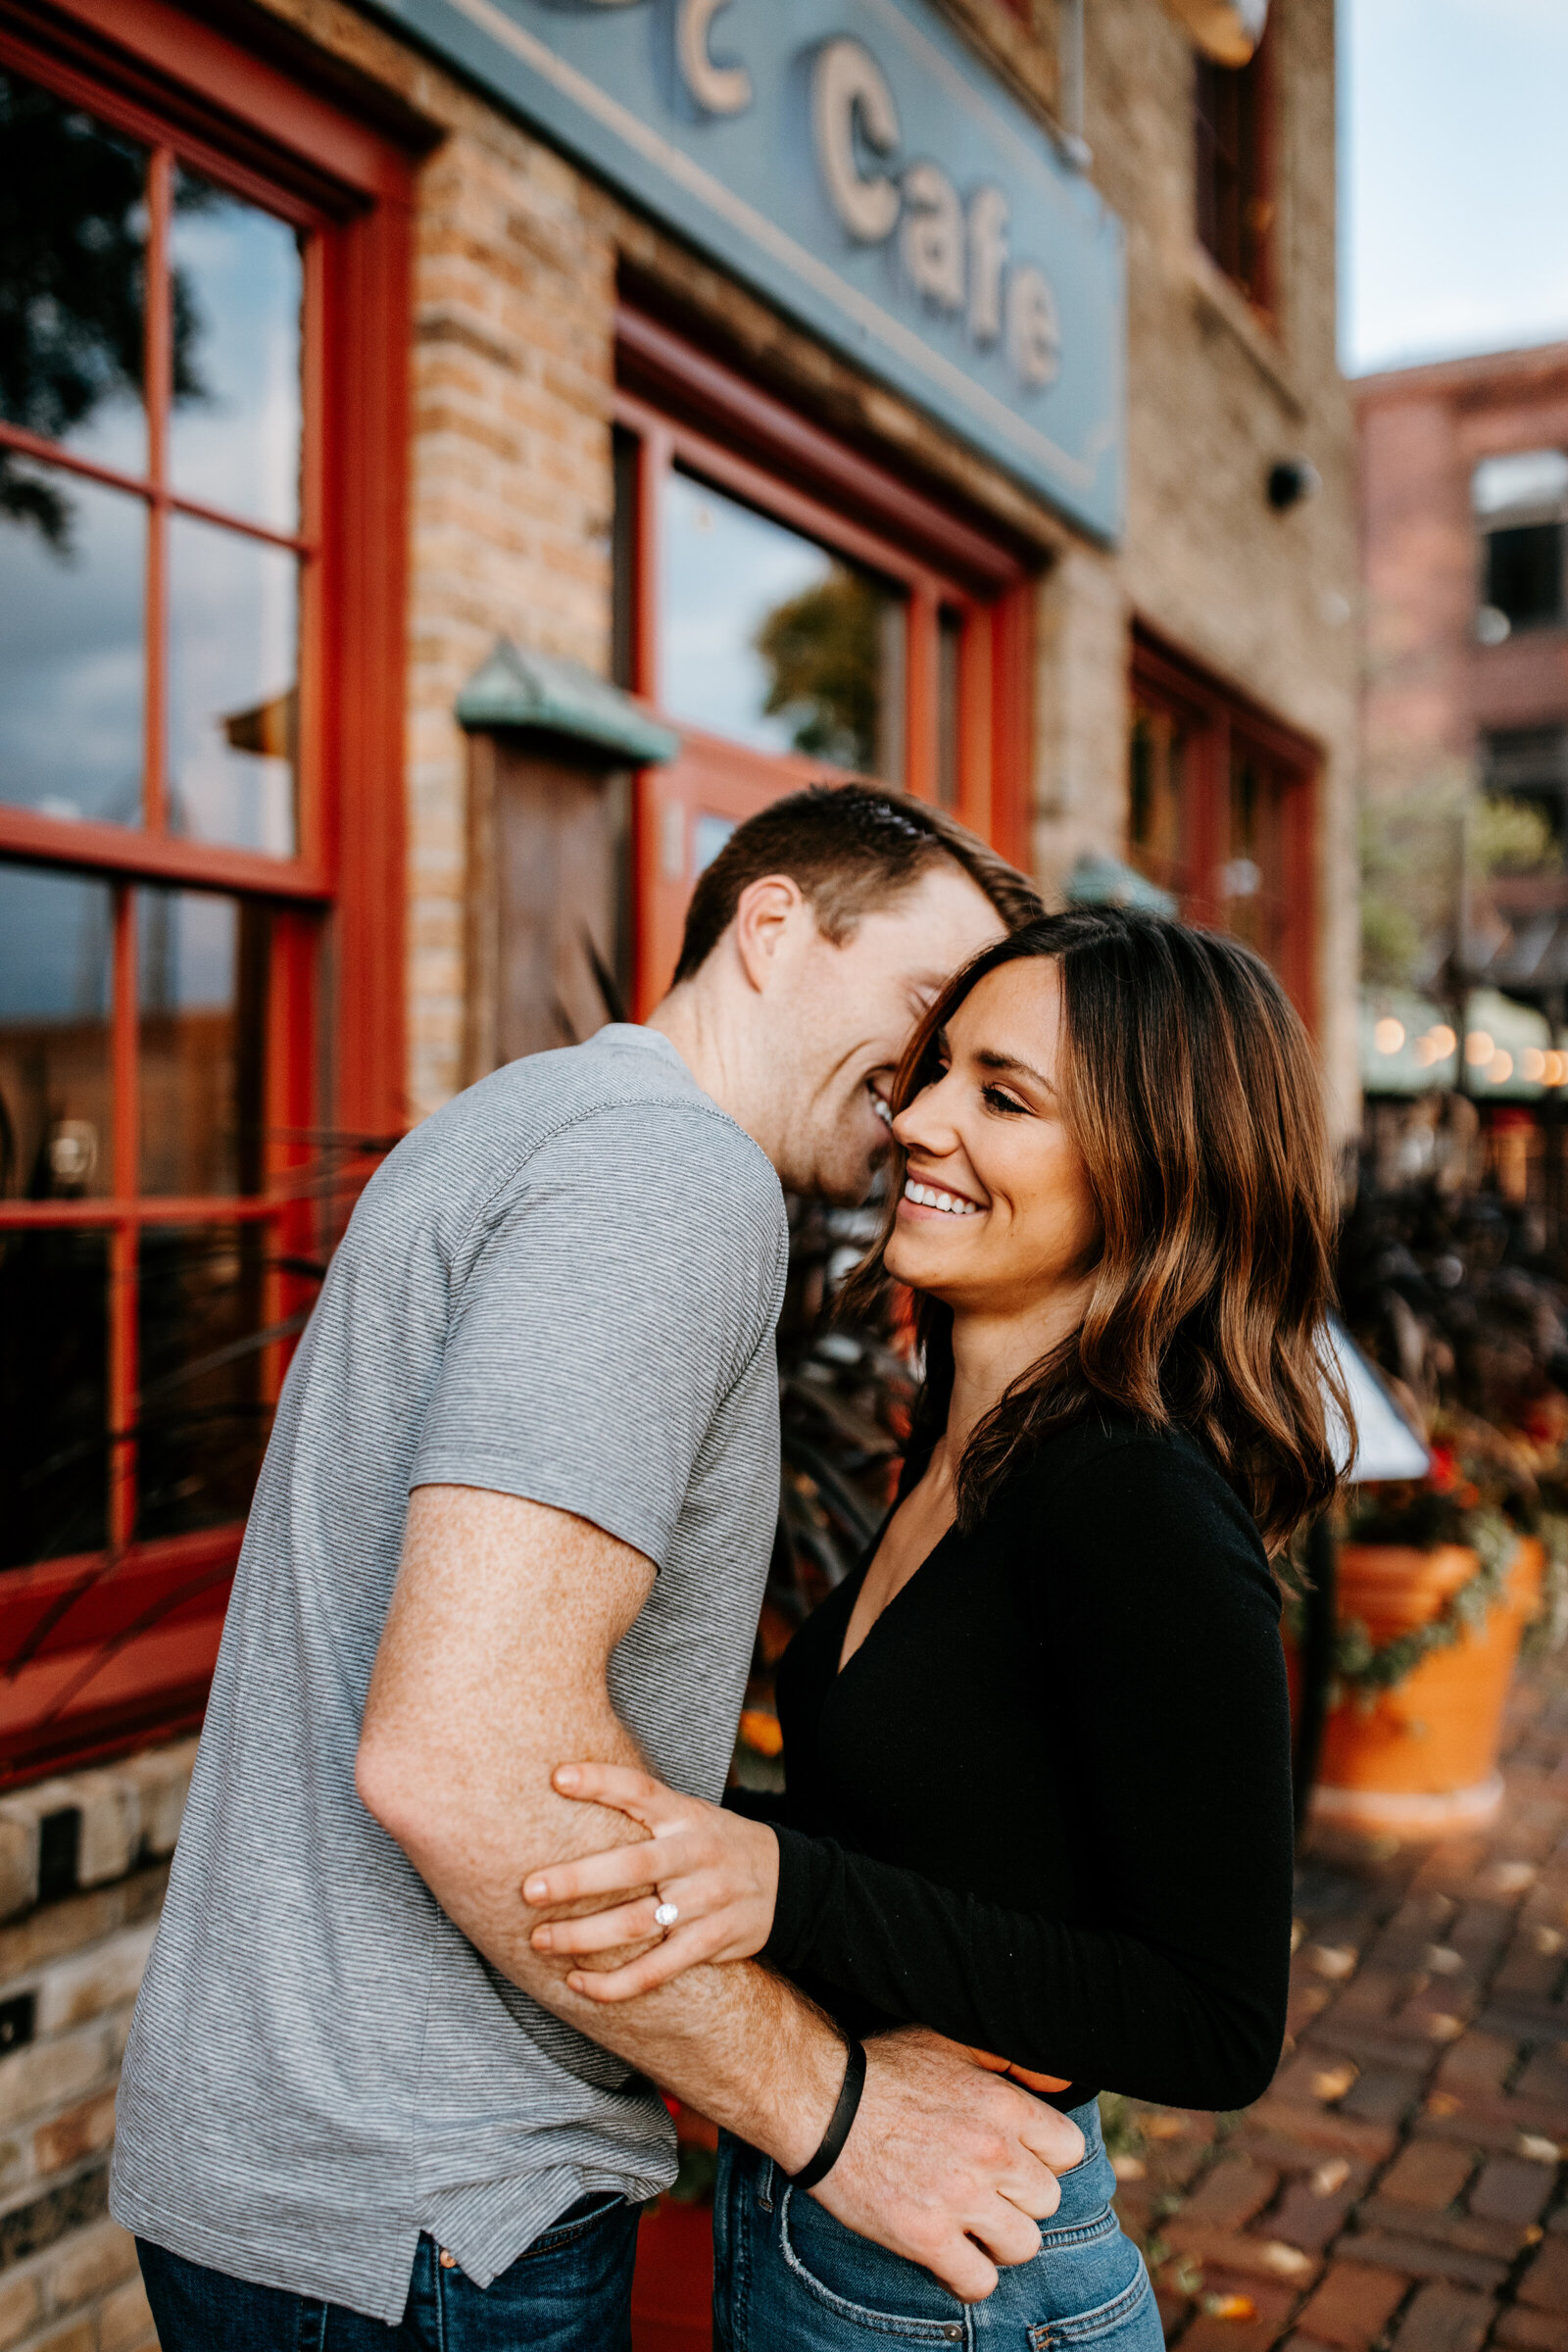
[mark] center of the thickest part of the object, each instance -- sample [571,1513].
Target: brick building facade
[514,375]
[1463,474]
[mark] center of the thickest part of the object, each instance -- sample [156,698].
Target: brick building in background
[1463,469]
[494,449]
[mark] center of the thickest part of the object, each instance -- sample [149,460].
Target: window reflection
[203,1424]
[767,638]
[239,282]
[202,986]
[71,651]
[56,944]
[233,706]
[70,357]
[54,1395]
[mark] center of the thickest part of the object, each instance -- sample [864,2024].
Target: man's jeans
[570,2292]
[788,2278]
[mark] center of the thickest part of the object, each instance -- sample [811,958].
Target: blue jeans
[570,2292]
[788,2278]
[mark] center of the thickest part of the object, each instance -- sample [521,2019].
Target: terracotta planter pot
[1423,1760]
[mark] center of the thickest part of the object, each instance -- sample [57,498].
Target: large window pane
[72,222]
[233,702]
[234,437]
[70,649]
[56,939]
[767,638]
[204,1423]
[54,1403]
[202,986]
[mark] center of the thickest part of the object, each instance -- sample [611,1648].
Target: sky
[1455,178]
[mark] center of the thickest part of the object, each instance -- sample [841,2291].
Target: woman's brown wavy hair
[1190,1086]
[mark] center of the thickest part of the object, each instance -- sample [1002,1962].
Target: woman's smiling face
[997,1214]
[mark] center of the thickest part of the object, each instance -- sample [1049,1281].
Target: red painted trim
[50,453]
[655,360]
[699,454]
[206,1208]
[104,1649]
[363,602]
[920,669]
[121,849]
[215,94]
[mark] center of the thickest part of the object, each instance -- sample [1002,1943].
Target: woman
[1038,1743]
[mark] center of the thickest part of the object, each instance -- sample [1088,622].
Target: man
[518,1506]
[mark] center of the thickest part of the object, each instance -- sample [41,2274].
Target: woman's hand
[718,1870]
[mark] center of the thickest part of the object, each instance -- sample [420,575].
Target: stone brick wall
[1431,686]
[83,1864]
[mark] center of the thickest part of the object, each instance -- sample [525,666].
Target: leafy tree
[824,651]
[73,205]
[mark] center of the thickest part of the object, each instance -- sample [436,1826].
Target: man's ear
[769,915]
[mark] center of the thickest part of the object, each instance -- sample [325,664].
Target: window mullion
[157,372]
[125,1151]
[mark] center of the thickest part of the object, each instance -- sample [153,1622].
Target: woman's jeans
[570,2292]
[788,2278]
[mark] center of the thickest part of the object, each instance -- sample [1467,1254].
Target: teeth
[928,1195]
[881,1110]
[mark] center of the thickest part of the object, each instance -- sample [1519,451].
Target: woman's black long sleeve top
[1045,1807]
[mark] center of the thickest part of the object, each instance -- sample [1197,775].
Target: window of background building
[1520,503]
[1233,153]
[798,614]
[1219,811]
[1529,765]
[170,791]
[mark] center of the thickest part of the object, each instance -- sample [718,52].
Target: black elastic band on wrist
[838,2122]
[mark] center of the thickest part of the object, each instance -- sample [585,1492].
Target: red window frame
[101,1649]
[686,407]
[1218,727]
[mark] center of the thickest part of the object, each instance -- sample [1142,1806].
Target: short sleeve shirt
[563,1287]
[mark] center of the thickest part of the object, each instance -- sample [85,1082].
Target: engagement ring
[665,1916]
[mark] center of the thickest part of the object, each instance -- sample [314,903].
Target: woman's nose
[923,1126]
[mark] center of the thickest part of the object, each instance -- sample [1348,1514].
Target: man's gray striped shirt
[564,1286]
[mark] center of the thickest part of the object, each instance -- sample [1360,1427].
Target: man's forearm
[737,2042]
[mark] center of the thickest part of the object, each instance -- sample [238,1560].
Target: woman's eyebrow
[1010,1065]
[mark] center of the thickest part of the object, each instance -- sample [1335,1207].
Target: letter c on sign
[719,89]
[847,85]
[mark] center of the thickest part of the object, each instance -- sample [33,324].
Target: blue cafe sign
[855,161]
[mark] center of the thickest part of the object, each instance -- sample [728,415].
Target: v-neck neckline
[841,1664]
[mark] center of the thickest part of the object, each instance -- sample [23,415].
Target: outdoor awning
[546,695]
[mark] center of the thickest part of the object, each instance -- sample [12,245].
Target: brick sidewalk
[1403,2182]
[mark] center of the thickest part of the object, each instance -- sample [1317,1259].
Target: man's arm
[492,1669]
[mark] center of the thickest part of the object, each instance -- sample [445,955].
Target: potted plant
[1437,1584]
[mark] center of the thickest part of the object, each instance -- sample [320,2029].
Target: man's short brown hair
[851,850]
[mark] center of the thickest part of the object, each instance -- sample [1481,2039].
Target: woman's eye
[995,1099]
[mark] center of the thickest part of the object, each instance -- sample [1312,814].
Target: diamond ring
[665,1916]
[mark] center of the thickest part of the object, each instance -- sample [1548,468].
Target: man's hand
[946,2163]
